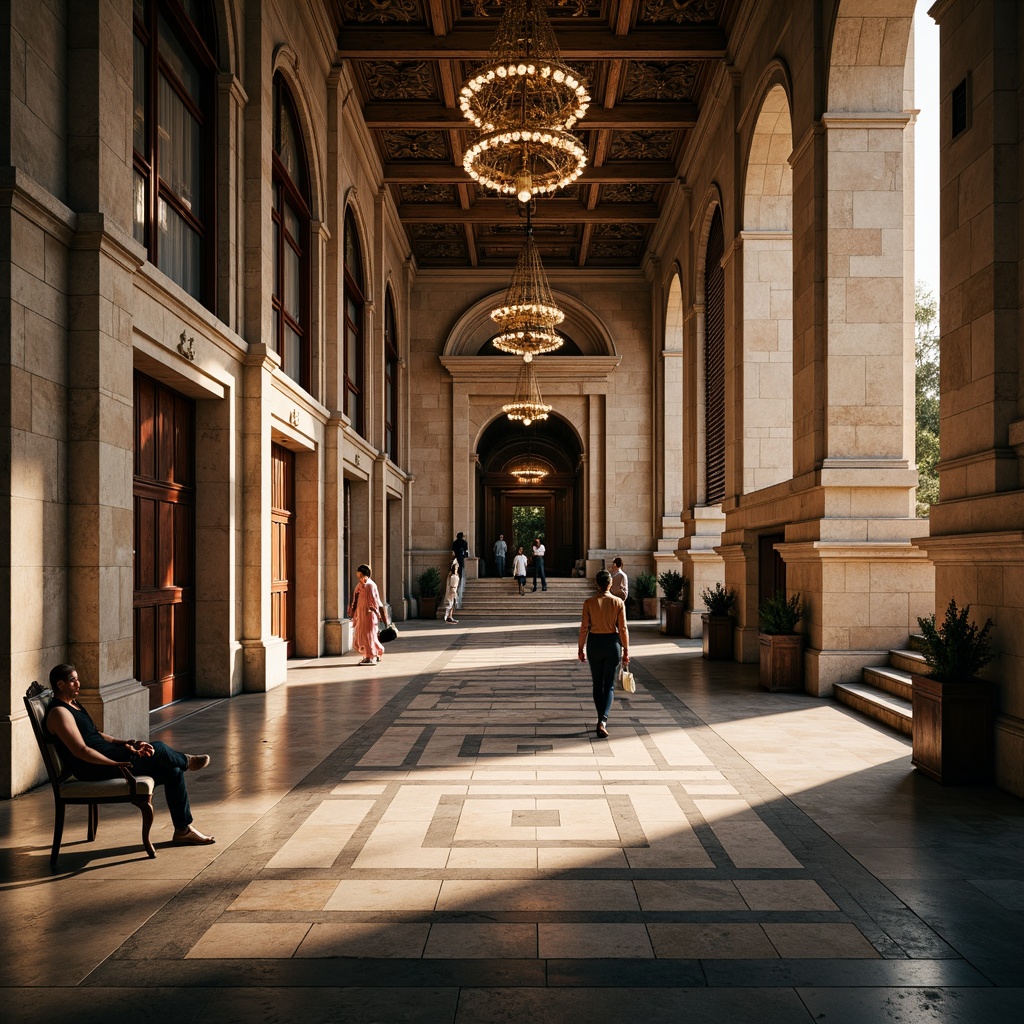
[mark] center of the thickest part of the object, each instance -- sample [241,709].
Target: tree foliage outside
[527,523]
[926,360]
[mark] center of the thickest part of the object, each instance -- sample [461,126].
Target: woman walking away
[606,636]
[519,569]
[451,593]
[364,611]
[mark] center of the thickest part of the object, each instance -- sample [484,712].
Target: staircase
[494,598]
[883,692]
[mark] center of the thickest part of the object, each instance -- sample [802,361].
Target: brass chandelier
[524,101]
[527,404]
[528,315]
[528,470]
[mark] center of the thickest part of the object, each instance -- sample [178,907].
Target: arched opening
[551,507]
[768,298]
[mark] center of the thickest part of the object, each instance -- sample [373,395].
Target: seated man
[91,755]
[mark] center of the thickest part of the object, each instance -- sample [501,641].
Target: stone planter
[952,730]
[675,615]
[782,662]
[428,607]
[716,636]
[650,607]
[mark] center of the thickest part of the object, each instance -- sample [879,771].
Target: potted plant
[953,712]
[672,585]
[717,622]
[429,583]
[645,586]
[780,645]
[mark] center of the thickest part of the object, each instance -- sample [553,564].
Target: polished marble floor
[442,838]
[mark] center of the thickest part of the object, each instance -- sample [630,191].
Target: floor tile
[364,940]
[248,941]
[482,941]
[593,941]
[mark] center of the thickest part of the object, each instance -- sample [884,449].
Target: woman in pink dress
[364,610]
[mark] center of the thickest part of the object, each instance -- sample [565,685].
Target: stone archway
[553,444]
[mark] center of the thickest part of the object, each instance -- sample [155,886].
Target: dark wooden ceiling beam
[651,172]
[574,42]
[423,116]
[548,212]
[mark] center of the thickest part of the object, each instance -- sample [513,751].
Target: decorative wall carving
[433,193]
[187,346]
[628,193]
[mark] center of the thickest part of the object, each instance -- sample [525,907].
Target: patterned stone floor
[470,851]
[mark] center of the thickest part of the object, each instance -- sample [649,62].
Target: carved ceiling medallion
[659,80]
[642,145]
[628,193]
[621,253]
[383,11]
[431,193]
[412,145]
[677,12]
[441,251]
[554,8]
[400,80]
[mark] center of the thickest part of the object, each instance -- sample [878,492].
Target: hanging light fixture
[527,404]
[528,315]
[524,101]
[529,471]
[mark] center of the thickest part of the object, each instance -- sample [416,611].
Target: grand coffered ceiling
[649,64]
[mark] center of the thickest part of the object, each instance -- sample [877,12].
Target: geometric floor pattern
[475,853]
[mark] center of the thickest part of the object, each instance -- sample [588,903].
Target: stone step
[883,707]
[500,598]
[888,679]
[909,661]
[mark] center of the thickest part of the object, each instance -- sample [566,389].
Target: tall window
[714,363]
[173,140]
[290,300]
[390,381]
[353,407]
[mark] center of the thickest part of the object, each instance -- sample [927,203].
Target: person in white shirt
[538,564]
[620,581]
[519,569]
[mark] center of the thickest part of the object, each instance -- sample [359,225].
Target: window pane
[139,208]
[139,98]
[292,354]
[181,149]
[179,250]
[275,341]
[179,61]
[292,291]
[277,258]
[352,357]
[292,224]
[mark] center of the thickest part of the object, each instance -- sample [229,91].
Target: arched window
[174,140]
[714,364]
[290,299]
[390,380]
[354,301]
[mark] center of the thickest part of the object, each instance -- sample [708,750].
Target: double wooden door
[282,545]
[164,533]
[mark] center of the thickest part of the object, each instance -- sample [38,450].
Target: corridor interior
[442,838]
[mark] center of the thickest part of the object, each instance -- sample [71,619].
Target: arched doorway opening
[551,507]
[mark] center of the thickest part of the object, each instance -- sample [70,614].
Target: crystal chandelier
[528,470]
[528,315]
[527,405]
[524,101]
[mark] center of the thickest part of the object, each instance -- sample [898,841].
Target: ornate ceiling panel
[648,65]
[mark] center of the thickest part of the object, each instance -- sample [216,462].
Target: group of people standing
[520,562]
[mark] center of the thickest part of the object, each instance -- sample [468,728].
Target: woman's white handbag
[626,681]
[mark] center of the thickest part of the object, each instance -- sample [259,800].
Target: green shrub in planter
[718,600]
[779,614]
[645,585]
[429,582]
[673,584]
[956,650]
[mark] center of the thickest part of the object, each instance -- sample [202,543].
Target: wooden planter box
[716,636]
[649,607]
[428,607]
[782,662]
[953,726]
[675,613]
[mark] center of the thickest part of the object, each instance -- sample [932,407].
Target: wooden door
[282,545]
[164,505]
